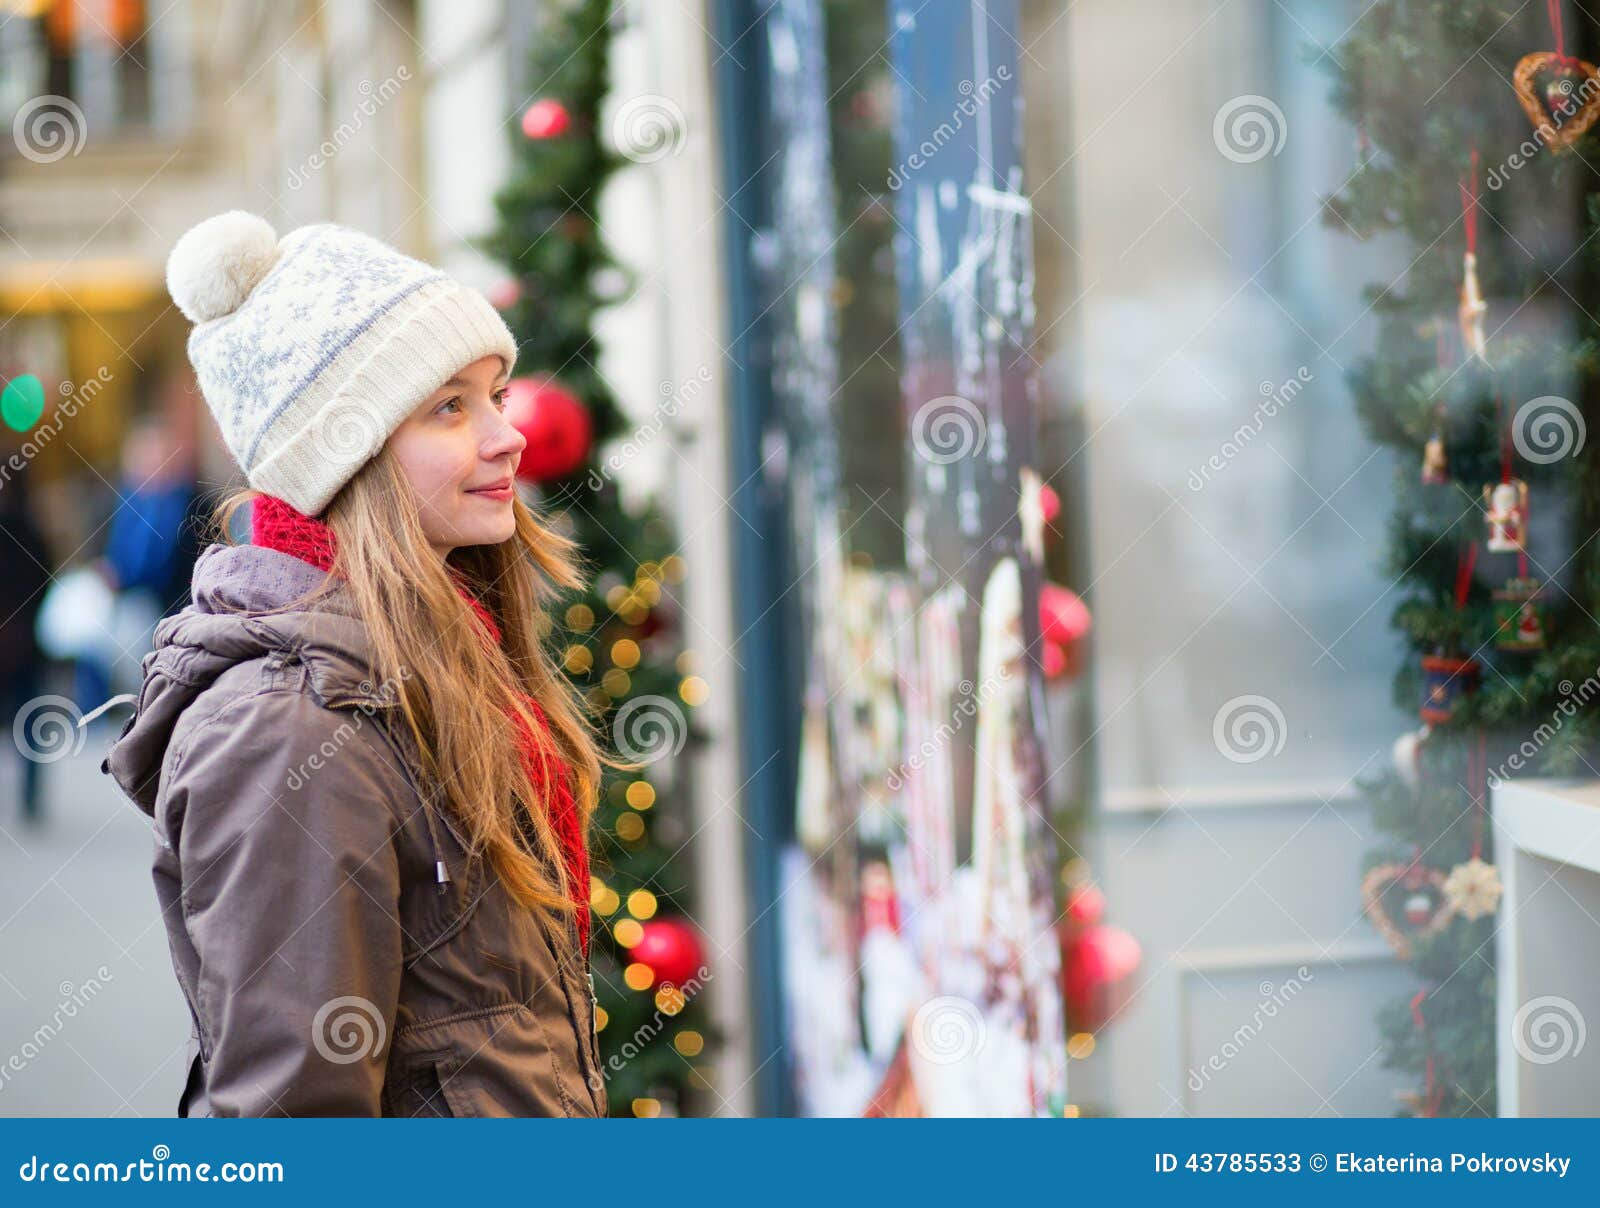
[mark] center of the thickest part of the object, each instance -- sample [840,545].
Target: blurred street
[91,1014]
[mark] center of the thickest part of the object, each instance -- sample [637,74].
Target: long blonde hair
[457,691]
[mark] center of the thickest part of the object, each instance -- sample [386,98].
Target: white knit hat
[311,350]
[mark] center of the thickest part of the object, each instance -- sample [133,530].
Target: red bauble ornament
[671,950]
[1049,503]
[555,425]
[1063,617]
[1097,967]
[1055,661]
[546,118]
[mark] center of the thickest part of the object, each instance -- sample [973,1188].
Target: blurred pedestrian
[151,546]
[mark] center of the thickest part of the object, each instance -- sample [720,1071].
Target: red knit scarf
[274,524]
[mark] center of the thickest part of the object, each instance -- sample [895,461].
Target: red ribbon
[1553,7]
[1478,785]
[1464,564]
[1469,203]
[1431,1090]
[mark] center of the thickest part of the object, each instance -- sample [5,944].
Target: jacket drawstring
[440,872]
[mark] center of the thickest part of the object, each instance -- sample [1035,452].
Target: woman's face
[460,454]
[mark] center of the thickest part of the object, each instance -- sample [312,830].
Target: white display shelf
[1547,947]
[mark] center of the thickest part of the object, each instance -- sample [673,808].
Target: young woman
[369,784]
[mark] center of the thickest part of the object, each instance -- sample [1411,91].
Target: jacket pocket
[418,1089]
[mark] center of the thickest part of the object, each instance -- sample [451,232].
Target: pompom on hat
[312,349]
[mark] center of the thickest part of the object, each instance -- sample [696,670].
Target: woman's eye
[449,402]
[500,399]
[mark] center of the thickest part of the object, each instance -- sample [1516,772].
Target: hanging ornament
[555,425]
[1097,967]
[1418,909]
[1063,616]
[1426,910]
[1506,514]
[1473,308]
[1518,614]
[1054,660]
[1447,677]
[1064,624]
[1049,503]
[546,118]
[1559,93]
[671,950]
[1505,503]
[1435,462]
[1445,680]
[1473,888]
[1408,757]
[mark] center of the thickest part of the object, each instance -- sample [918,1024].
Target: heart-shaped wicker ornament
[1560,95]
[1413,877]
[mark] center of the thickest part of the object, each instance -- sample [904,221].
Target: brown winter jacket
[328,969]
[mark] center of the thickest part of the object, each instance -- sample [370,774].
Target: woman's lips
[502,494]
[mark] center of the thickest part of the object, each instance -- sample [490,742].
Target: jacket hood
[243,607]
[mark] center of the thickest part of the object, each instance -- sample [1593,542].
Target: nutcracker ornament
[1445,680]
[1506,513]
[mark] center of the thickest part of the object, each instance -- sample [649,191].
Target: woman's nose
[504,441]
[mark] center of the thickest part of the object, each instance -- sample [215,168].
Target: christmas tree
[1482,379]
[617,640]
